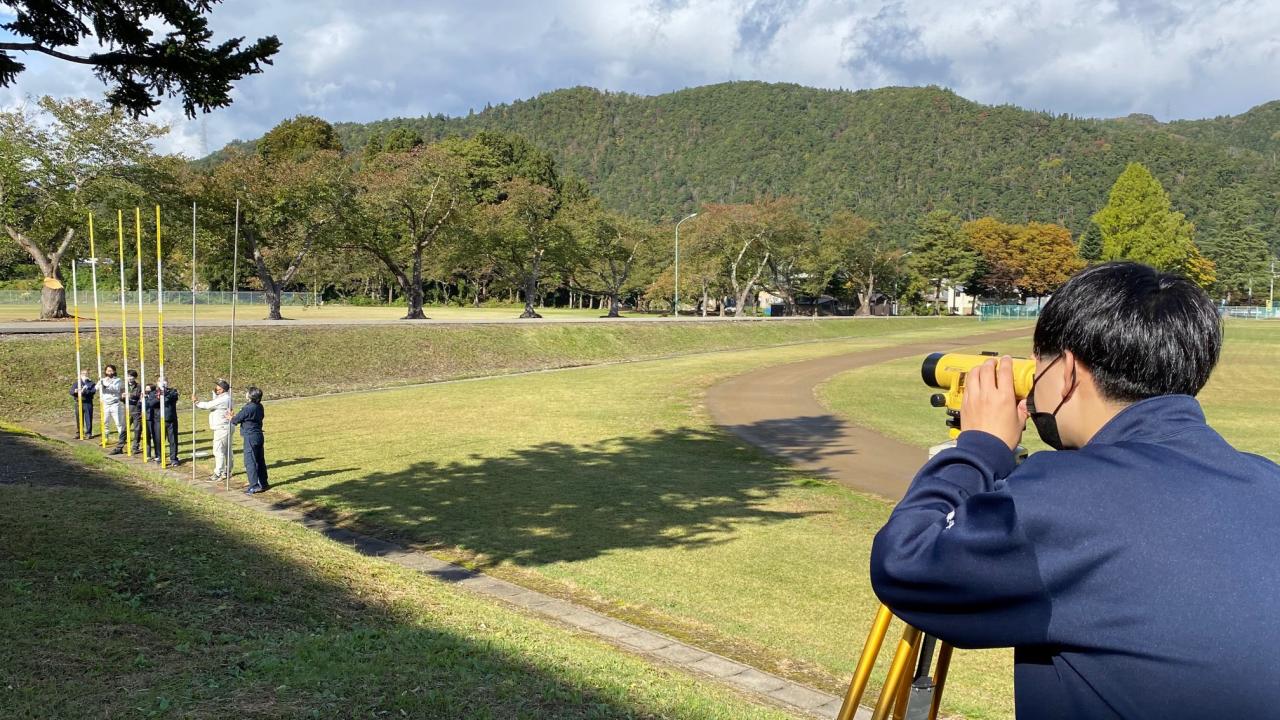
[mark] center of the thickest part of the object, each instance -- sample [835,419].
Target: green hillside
[891,153]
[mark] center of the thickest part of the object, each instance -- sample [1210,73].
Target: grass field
[609,486]
[129,597]
[36,371]
[178,314]
[1239,400]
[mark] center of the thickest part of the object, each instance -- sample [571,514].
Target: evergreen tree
[1236,245]
[1140,224]
[941,252]
[1091,244]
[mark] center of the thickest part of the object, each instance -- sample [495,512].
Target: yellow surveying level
[913,687]
[947,371]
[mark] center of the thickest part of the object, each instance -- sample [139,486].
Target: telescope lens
[929,370]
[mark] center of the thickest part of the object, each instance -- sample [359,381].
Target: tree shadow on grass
[556,502]
[809,439]
[121,599]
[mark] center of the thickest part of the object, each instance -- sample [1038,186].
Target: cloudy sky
[372,59]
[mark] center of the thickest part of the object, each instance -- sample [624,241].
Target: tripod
[908,697]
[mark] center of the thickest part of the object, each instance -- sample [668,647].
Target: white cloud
[382,58]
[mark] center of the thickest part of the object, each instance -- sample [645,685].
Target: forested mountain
[891,154]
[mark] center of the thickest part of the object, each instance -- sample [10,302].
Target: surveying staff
[1133,571]
[250,421]
[82,394]
[111,388]
[218,407]
[133,399]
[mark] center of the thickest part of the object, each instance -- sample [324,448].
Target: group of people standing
[156,405]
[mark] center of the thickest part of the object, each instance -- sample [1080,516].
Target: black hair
[255,394]
[133,373]
[1141,333]
[113,367]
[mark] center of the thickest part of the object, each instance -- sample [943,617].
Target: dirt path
[776,410]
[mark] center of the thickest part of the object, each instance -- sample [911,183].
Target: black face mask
[1047,423]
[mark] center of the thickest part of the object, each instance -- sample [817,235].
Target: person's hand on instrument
[990,404]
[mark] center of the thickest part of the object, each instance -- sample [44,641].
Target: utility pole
[675,309]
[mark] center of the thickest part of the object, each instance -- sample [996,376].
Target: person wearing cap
[83,391]
[112,389]
[218,407]
[156,396]
[250,421]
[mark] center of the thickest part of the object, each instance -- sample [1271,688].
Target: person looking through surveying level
[1135,572]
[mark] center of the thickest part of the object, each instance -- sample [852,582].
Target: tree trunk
[53,301]
[271,292]
[704,299]
[413,291]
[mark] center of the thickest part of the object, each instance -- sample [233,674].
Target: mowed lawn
[128,596]
[1239,401]
[608,485]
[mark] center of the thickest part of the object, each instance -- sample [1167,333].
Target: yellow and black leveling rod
[911,691]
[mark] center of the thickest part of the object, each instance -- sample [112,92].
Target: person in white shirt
[112,389]
[218,407]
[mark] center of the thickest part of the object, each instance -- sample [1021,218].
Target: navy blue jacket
[1136,577]
[250,421]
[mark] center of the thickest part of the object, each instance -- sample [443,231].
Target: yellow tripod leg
[898,677]
[940,678]
[862,673]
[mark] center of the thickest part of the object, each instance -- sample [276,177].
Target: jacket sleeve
[240,416]
[953,559]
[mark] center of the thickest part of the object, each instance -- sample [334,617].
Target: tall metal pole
[161,391]
[193,340]
[97,334]
[75,299]
[142,346]
[231,372]
[675,310]
[129,430]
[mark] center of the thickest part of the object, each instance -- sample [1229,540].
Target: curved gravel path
[776,409]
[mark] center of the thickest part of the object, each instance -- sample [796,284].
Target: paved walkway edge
[637,640]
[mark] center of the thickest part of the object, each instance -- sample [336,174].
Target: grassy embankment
[36,371]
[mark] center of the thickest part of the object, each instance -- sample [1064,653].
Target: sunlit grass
[609,485]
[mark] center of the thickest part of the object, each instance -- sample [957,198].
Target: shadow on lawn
[809,438]
[111,584]
[556,502]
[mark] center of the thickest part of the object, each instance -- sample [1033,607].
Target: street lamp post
[675,309]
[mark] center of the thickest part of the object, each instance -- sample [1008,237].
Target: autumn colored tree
[605,246]
[745,238]
[1049,258]
[414,201]
[52,161]
[855,253]
[289,207]
[1003,255]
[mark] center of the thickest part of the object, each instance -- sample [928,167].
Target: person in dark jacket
[1134,571]
[133,404]
[250,421]
[170,418]
[151,406]
[169,396]
[83,393]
